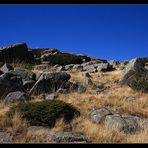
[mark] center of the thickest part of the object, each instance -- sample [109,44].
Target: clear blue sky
[105,31]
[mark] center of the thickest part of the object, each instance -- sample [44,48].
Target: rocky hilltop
[65,97]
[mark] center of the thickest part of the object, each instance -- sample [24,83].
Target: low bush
[45,113]
[65,59]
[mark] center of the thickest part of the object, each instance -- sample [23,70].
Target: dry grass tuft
[14,125]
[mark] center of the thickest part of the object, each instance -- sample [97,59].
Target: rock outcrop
[135,70]
[16,53]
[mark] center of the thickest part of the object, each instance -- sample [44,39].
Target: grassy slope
[115,97]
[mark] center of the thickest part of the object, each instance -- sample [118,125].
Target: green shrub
[139,85]
[65,59]
[45,113]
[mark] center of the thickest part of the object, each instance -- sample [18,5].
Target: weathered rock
[49,82]
[77,67]
[126,123]
[135,70]
[6,67]
[27,85]
[98,90]
[90,69]
[10,82]
[68,67]
[51,96]
[74,87]
[66,137]
[62,91]
[95,62]
[116,122]
[59,68]
[99,115]
[103,67]
[132,122]
[48,52]
[16,97]
[5,137]
[114,63]
[25,74]
[16,52]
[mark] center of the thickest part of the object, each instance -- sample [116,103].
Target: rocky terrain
[49,96]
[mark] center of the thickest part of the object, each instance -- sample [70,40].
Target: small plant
[139,85]
[45,113]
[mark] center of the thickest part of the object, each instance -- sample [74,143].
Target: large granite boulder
[49,82]
[10,82]
[135,71]
[16,53]
[125,123]
[25,74]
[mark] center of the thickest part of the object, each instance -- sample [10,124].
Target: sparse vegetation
[24,65]
[38,112]
[65,58]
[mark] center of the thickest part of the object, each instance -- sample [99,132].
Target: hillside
[49,96]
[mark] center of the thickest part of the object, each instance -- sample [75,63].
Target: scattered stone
[5,137]
[99,115]
[16,97]
[6,67]
[130,98]
[51,96]
[66,137]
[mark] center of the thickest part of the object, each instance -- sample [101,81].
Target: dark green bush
[65,59]
[45,113]
[139,85]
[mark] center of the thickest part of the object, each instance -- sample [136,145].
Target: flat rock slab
[5,137]
[66,137]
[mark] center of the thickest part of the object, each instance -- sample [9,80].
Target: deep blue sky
[105,31]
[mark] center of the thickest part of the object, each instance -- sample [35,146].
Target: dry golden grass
[14,125]
[116,97]
[141,137]
[97,133]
